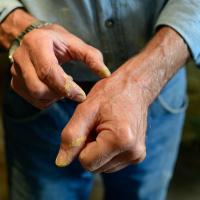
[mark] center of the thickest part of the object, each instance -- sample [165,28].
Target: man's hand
[107,131]
[36,73]
[115,115]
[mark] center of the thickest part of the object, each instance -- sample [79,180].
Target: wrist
[138,73]
[157,63]
[13,25]
[17,41]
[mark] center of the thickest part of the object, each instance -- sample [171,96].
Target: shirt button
[109,23]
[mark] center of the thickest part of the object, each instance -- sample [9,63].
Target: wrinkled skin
[36,73]
[114,114]
[116,111]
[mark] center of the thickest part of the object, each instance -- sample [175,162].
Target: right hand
[36,72]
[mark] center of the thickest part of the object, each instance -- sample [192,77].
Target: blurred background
[186,181]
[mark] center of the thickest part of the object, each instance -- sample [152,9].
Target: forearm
[14,23]
[157,63]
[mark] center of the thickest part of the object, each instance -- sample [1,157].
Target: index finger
[75,134]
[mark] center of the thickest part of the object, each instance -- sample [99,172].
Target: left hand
[115,116]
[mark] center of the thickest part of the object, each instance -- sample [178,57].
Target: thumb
[74,135]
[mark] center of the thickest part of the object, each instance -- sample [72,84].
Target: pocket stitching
[172,110]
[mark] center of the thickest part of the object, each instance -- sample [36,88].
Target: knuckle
[87,164]
[29,38]
[125,137]
[67,135]
[142,157]
[138,154]
[32,38]
[43,72]
[140,149]
[36,92]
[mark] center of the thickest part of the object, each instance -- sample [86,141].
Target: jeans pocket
[174,108]
[173,98]
[31,116]
[16,109]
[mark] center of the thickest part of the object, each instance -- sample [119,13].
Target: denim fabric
[33,139]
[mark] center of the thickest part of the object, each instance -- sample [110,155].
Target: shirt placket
[108,30]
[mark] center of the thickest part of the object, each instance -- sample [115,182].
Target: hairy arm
[158,62]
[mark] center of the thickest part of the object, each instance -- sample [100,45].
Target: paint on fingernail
[63,158]
[80,97]
[73,91]
[68,88]
[104,72]
[77,142]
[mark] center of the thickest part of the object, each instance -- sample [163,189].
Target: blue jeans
[32,142]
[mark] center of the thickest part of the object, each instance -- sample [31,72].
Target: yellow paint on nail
[63,159]
[104,72]
[70,86]
[77,142]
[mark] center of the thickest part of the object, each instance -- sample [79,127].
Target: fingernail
[68,87]
[80,97]
[104,72]
[78,94]
[62,159]
[74,92]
